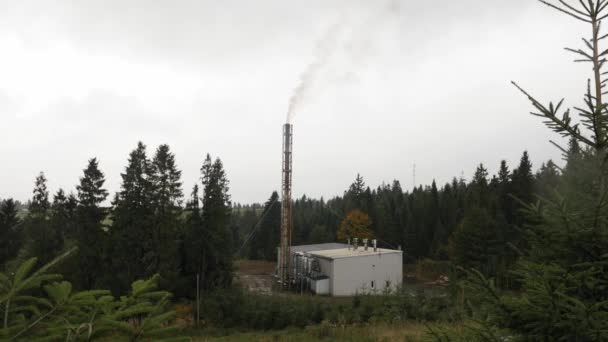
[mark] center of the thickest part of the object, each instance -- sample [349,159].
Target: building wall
[327,269]
[321,286]
[354,275]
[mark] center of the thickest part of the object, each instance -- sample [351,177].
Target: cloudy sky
[401,82]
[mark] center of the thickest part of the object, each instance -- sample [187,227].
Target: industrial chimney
[285,255]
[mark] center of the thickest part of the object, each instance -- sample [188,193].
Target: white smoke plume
[360,34]
[324,49]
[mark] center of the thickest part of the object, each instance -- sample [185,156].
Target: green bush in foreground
[232,308]
[38,306]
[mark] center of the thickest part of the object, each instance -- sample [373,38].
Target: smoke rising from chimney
[324,48]
[330,42]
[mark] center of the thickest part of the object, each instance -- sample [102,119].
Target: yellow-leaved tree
[356,224]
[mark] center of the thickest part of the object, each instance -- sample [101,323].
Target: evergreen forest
[523,252]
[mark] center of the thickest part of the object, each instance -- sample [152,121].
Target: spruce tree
[547,179]
[10,231]
[40,204]
[356,196]
[165,179]
[523,181]
[265,240]
[89,234]
[478,192]
[133,219]
[216,222]
[61,220]
[42,240]
[473,242]
[196,245]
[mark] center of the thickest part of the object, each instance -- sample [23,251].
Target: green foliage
[42,239]
[563,254]
[217,265]
[88,234]
[265,234]
[10,231]
[474,242]
[37,306]
[232,308]
[132,215]
[356,224]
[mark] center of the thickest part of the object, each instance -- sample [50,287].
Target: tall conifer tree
[10,231]
[89,234]
[133,219]
[165,179]
[42,240]
[266,238]
[216,221]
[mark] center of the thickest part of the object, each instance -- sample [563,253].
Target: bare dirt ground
[255,275]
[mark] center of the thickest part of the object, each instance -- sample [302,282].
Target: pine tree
[89,234]
[133,219]
[265,240]
[473,242]
[40,204]
[195,245]
[437,232]
[505,189]
[356,197]
[504,175]
[42,240]
[216,222]
[167,199]
[10,231]
[523,180]
[61,219]
[478,192]
[547,179]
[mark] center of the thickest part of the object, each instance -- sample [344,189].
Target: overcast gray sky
[424,82]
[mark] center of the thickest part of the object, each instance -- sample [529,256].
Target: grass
[408,331]
[341,319]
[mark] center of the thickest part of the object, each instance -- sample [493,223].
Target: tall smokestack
[285,257]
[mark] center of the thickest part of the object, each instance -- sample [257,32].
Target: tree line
[152,227]
[146,230]
[469,222]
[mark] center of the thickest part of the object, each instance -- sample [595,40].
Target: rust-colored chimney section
[286,220]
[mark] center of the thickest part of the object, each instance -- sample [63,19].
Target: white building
[345,270]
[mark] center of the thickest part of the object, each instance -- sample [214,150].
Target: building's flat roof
[349,252]
[318,247]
